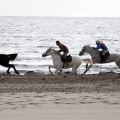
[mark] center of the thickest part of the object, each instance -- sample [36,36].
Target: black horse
[4,61]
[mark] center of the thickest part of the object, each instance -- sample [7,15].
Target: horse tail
[12,56]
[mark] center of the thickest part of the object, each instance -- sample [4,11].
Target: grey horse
[95,54]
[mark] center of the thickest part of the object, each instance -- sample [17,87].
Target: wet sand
[36,96]
[37,82]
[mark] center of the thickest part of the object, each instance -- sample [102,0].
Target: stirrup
[103,61]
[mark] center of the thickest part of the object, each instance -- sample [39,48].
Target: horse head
[49,51]
[85,49]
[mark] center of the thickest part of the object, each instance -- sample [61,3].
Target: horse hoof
[17,72]
[8,72]
[51,73]
[64,76]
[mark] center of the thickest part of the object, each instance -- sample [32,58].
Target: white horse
[58,64]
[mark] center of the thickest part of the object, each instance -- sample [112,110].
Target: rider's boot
[103,59]
[66,64]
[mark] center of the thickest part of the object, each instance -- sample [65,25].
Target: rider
[63,49]
[101,45]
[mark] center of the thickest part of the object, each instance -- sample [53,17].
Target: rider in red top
[63,49]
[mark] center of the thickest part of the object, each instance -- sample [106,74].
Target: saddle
[68,58]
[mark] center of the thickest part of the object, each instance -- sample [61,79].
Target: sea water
[32,36]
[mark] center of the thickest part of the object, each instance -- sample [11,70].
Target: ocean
[31,36]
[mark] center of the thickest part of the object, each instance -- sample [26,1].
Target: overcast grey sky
[67,8]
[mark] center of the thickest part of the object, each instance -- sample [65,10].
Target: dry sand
[36,96]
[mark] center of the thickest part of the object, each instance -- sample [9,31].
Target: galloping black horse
[4,61]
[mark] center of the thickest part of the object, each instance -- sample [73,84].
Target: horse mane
[56,51]
[87,46]
[92,47]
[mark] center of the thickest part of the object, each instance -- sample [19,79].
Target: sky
[60,8]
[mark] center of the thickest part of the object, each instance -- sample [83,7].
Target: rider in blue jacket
[101,45]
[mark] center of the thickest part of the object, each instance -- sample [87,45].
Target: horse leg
[8,70]
[61,71]
[51,66]
[87,69]
[15,70]
[9,66]
[86,65]
[118,64]
[74,70]
[57,69]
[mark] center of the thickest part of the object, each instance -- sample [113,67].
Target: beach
[37,95]
[55,97]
